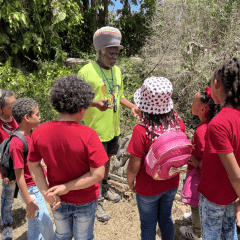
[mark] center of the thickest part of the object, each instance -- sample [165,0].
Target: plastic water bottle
[33,197]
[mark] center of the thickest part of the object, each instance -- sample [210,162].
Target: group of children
[75,160]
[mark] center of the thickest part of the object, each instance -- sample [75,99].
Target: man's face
[7,109]
[109,58]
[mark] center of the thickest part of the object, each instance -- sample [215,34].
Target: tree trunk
[85,5]
[94,14]
[105,14]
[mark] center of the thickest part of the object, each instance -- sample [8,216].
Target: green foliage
[35,85]
[33,28]
[135,26]
[131,69]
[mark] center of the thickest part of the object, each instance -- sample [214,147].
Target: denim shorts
[112,147]
[156,209]
[218,222]
[75,220]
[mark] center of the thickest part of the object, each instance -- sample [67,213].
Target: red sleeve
[136,145]
[182,125]
[33,154]
[16,149]
[97,155]
[218,138]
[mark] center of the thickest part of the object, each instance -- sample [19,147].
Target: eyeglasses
[112,54]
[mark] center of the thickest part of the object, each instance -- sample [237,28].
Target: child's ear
[204,108]
[217,83]
[26,117]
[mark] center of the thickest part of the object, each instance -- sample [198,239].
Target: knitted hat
[107,37]
[155,96]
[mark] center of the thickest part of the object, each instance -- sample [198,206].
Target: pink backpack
[189,194]
[167,155]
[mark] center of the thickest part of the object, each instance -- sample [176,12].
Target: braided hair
[229,75]
[164,120]
[213,107]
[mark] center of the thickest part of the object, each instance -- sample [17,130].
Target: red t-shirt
[198,142]
[145,184]
[222,136]
[69,150]
[16,150]
[4,135]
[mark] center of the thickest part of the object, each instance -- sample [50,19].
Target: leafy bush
[35,85]
[35,28]
[190,39]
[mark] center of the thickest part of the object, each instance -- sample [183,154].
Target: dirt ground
[123,224]
[124,221]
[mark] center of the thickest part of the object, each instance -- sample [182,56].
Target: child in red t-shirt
[220,181]
[154,197]
[26,113]
[7,99]
[74,157]
[204,107]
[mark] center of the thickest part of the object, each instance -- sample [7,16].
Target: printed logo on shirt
[111,93]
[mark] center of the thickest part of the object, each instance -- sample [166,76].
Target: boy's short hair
[70,94]
[22,107]
[4,93]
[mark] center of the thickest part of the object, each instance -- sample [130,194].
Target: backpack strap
[24,141]
[25,152]
[6,130]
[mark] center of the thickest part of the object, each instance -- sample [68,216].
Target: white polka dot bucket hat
[154,96]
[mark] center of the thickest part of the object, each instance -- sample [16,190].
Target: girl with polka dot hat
[154,197]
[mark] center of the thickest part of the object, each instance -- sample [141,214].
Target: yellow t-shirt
[106,123]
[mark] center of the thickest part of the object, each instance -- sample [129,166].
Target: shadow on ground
[19,218]
[22,237]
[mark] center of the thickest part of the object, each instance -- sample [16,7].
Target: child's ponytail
[206,98]
[229,74]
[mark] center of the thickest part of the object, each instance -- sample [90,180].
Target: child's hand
[237,211]
[136,112]
[131,186]
[193,161]
[57,190]
[31,208]
[7,182]
[55,201]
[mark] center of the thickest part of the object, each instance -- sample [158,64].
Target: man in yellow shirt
[104,114]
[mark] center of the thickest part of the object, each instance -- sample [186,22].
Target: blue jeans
[218,222]
[41,226]
[7,200]
[75,221]
[156,209]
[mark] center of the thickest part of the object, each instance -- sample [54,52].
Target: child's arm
[38,177]
[31,206]
[132,171]
[135,110]
[193,161]
[231,166]
[233,170]
[87,180]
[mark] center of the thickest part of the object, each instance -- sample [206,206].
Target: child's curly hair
[229,75]
[70,94]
